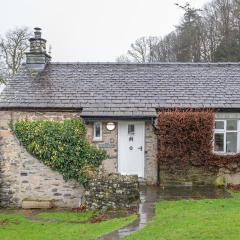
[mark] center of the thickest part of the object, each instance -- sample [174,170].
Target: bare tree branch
[123,59]
[13,47]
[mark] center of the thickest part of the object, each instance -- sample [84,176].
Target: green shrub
[61,145]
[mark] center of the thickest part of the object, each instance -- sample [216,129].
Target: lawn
[19,227]
[194,219]
[66,216]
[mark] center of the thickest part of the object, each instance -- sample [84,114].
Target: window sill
[225,154]
[97,140]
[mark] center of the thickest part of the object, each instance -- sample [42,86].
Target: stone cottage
[119,103]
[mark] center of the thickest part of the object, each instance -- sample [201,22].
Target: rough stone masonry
[112,191]
[23,176]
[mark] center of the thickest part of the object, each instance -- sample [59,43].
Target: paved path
[150,195]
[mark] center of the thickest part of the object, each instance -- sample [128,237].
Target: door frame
[143,137]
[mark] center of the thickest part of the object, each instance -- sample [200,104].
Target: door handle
[140,148]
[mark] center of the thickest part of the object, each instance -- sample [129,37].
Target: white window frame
[95,138]
[225,131]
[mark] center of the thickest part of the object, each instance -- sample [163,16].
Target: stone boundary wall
[198,176]
[23,176]
[112,191]
[194,176]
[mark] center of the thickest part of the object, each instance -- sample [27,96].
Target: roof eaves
[42,109]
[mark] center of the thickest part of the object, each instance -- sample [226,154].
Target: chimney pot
[37,32]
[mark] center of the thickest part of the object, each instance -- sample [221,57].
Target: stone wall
[194,176]
[198,176]
[24,177]
[150,154]
[112,191]
[227,177]
[109,143]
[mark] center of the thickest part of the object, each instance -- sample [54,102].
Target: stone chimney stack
[37,58]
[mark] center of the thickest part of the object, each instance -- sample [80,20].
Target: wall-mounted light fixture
[110,126]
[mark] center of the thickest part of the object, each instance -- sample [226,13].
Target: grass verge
[194,219]
[18,227]
[67,216]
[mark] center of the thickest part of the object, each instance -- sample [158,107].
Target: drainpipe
[158,165]
[158,142]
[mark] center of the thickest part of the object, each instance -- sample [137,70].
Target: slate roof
[115,89]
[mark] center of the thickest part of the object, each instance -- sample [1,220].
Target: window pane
[231,142]
[231,124]
[97,130]
[131,129]
[219,142]
[219,124]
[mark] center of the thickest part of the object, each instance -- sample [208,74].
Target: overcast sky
[92,30]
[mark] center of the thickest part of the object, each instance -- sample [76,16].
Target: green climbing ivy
[61,145]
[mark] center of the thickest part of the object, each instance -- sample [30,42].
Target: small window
[131,129]
[97,131]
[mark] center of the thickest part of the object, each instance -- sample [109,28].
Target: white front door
[131,148]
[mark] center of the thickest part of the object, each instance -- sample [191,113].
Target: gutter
[111,118]
[41,109]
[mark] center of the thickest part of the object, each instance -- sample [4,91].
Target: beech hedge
[61,145]
[186,139]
